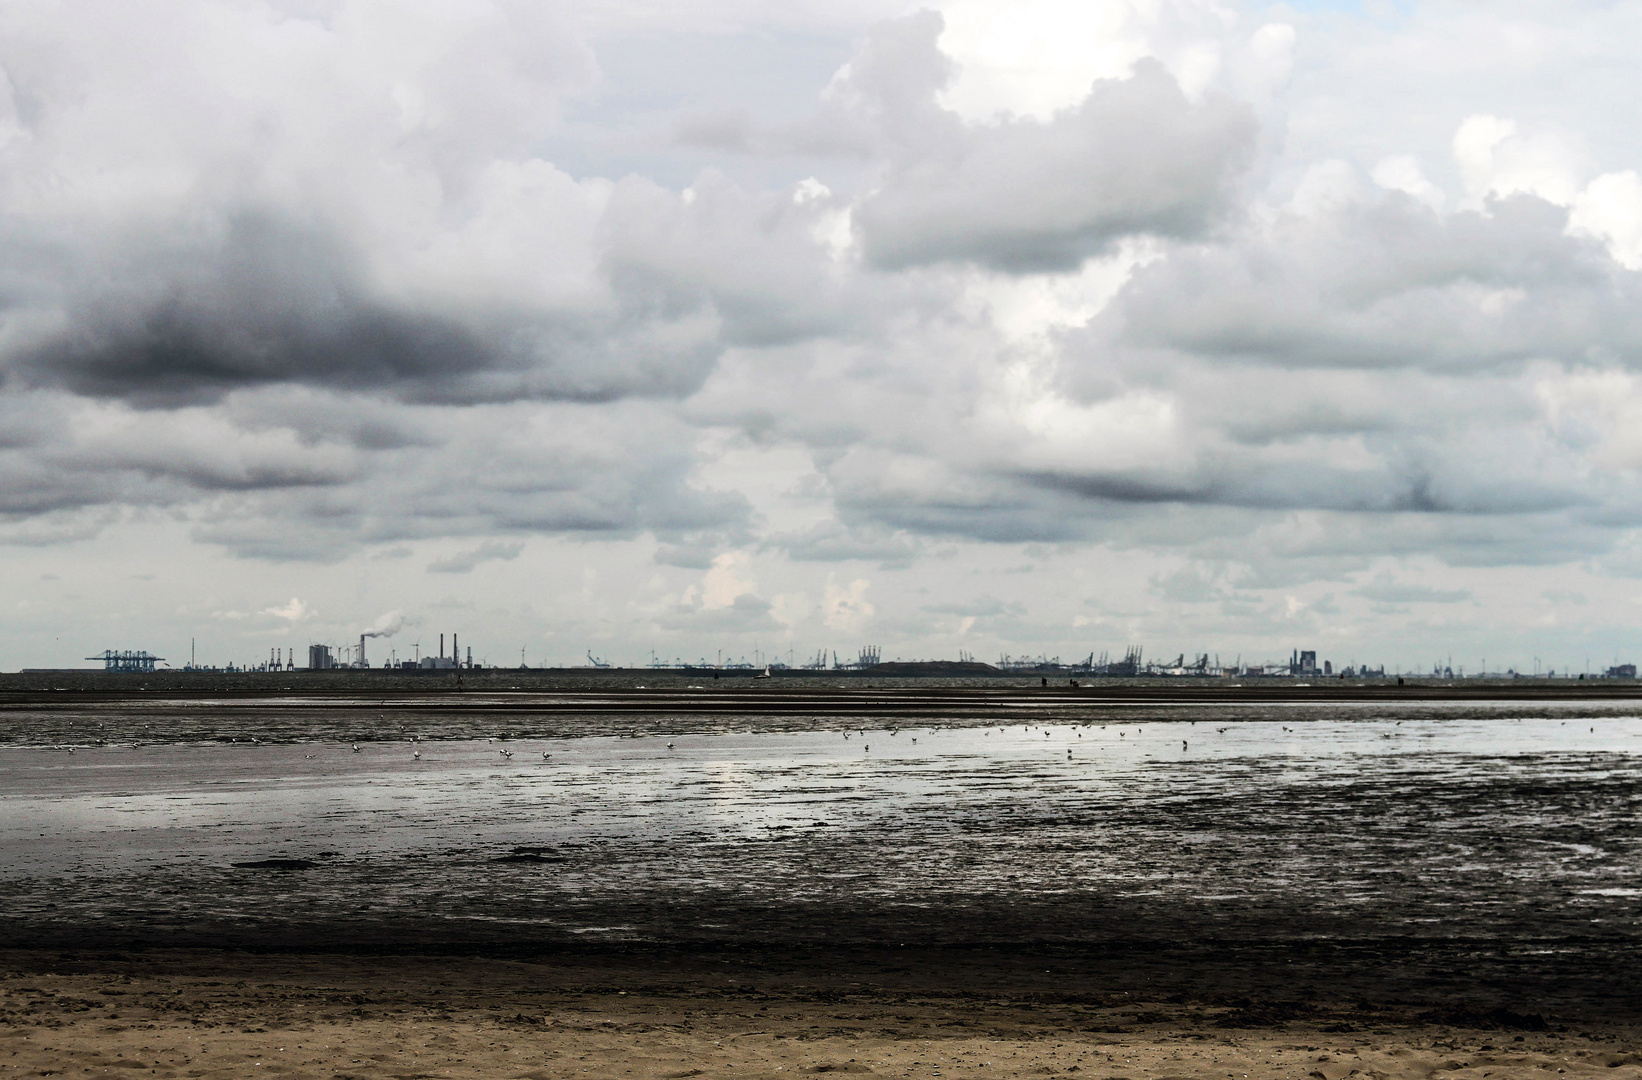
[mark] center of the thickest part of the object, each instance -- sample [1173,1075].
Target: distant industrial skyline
[958,328]
[1129,662]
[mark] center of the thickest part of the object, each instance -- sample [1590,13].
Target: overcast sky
[1040,327]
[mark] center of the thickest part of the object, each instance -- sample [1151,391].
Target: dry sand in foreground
[220,1015]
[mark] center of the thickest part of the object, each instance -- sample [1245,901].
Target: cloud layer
[315,281]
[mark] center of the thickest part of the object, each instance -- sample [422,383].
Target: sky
[701,328]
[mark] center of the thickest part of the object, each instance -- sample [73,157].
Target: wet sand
[226,1015]
[1136,884]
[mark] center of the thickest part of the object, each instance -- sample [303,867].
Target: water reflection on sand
[1319,820]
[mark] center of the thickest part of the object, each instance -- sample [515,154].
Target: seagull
[1183,744]
[506,753]
[417,754]
[356,748]
[669,746]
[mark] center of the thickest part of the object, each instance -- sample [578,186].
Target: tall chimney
[455,652]
[441,646]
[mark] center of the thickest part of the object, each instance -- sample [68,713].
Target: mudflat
[628,881]
[215,1014]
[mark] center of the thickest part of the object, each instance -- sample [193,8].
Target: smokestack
[441,646]
[455,652]
[361,650]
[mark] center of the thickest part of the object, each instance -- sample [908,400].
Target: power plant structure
[352,657]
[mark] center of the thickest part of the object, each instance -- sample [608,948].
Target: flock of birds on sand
[507,755]
[1185,745]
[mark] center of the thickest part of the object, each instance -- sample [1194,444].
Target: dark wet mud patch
[529,855]
[1485,1020]
[275,864]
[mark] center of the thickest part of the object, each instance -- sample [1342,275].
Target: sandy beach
[200,1014]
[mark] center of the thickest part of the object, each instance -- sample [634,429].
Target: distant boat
[765,674]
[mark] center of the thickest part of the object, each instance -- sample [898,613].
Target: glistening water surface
[1510,830]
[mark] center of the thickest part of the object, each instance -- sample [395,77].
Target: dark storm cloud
[277,304]
[271,304]
[1251,484]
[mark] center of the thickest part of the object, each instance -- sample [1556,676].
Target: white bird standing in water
[506,753]
[417,754]
[356,748]
[544,755]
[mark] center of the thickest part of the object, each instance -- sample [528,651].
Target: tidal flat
[1344,866]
